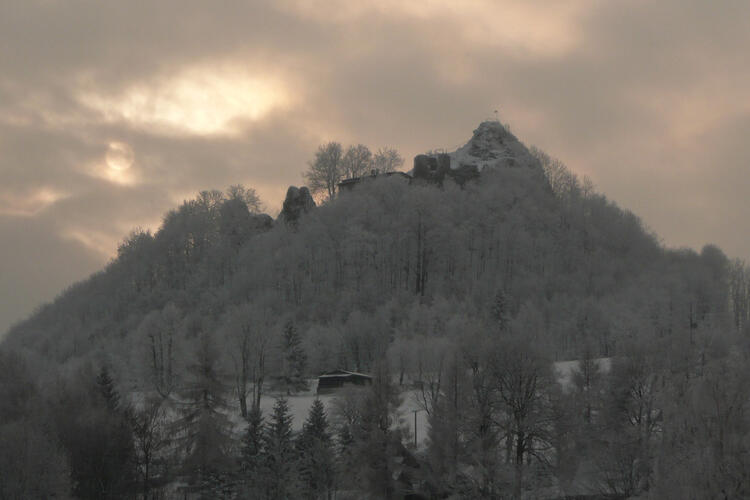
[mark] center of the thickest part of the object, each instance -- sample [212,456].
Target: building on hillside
[348,184]
[331,381]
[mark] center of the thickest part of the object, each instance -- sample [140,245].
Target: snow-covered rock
[491,146]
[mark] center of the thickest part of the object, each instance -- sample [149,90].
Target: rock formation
[491,146]
[297,202]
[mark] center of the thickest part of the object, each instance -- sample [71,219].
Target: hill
[457,286]
[391,261]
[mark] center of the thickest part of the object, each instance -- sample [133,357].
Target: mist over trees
[463,296]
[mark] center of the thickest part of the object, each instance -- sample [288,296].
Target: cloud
[37,265]
[113,112]
[201,100]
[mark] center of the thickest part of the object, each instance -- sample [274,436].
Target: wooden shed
[331,381]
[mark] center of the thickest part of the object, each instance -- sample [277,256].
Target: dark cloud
[648,99]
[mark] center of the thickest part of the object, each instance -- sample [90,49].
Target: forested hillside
[388,262]
[475,287]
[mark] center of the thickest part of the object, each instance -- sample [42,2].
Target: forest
[146,379]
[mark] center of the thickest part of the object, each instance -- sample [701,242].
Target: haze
[113,112]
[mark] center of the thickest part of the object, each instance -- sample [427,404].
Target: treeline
[658,421]
[332,164]
[82,437]
[653,422]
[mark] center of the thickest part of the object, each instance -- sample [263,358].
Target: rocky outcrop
[491,146]
[297,202]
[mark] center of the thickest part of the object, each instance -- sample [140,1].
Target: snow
[299,407]
[300,403]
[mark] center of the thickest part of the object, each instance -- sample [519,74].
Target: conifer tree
[204,431]
[316,454]
[107,389]
[279,453]
[252,444]
[295,360]
[374,443]
[251,459]
[96,437]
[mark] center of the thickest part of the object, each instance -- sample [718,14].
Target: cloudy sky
[112,112]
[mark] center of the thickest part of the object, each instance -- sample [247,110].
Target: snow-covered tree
[325,172]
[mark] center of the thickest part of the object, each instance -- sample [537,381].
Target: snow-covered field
[299,404]
[299,407]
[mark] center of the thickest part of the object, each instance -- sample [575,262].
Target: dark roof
[344,373]
[356,180]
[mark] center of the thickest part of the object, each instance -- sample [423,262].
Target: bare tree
[357,161]
[239,325]
[325,171]
[160,328]
[248,195]
[388,160]
[248,331]
[150,436]
[524,380]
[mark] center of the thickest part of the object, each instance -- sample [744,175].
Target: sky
[113,112]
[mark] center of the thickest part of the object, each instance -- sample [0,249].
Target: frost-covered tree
[294,359]
[160,331]
[325,172]
[247,195]
[357,161]
[387,160]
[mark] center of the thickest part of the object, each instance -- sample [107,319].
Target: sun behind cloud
[119,156]
[200,100]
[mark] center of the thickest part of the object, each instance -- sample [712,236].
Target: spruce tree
[375,444]
[316,454]
[295,360]
[251,458]
[204,431]
[279,453]
[252,444]
[107,389]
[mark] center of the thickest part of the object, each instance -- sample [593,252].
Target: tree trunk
[520,449]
